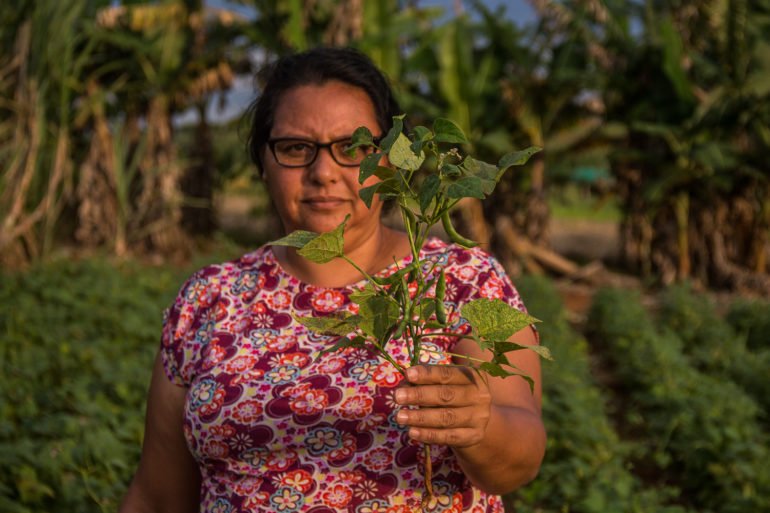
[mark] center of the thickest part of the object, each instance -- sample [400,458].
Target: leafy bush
[700,431]
[76,351]
[716,347]
[752,319]
[586,467]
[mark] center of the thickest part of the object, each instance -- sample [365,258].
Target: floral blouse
[274,427]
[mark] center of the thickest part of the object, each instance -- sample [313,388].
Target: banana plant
[695,115]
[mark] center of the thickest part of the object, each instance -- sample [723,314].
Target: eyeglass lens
[298,152]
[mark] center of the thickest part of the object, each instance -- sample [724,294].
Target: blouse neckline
[399,264]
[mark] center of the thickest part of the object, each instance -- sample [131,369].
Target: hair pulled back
[316,67]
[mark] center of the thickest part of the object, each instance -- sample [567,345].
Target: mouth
[323,202]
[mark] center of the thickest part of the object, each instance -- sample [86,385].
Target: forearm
[510,454]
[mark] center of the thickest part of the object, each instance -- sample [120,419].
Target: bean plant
[426,177]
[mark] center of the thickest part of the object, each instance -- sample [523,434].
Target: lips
[324,201]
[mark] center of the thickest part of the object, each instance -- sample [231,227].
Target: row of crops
[679,418]
[647,411]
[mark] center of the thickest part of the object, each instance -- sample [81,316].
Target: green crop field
[678,420]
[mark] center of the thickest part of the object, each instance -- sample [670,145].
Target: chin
[319,223]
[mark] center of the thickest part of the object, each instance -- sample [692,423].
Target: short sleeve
[480,275]
[475,274]
[186,326]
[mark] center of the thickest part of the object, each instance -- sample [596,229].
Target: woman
[241,416]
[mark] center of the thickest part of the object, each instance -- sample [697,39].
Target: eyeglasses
[292,152]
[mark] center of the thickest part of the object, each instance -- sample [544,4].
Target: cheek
[280,189]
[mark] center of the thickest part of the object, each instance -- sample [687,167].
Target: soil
[584,240]
[590,243]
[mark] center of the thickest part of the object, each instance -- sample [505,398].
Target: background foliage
[659,105]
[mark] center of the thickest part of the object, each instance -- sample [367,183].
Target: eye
[295,147]
[346,151]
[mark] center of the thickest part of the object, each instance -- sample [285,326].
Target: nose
[324,169]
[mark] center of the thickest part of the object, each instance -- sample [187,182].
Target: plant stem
[429,495]
[363,273]
[464,357]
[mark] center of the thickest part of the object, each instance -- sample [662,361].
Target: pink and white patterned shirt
[273,427]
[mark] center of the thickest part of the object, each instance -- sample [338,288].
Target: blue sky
[518,10]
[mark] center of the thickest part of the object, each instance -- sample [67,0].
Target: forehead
[330,109]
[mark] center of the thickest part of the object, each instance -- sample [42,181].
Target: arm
[492,424]
[167,479]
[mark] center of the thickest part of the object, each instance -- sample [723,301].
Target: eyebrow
[309,139]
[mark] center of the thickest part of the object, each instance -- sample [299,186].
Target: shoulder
[210,296]
[472,273]
[203,287]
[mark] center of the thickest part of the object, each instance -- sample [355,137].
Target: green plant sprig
[426,181]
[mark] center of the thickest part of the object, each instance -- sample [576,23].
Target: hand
[454,405]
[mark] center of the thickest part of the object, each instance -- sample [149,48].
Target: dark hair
[317,66]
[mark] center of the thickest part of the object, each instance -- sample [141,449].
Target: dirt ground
[584,240]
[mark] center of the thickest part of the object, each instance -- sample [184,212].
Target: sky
[517,10]
[242,91]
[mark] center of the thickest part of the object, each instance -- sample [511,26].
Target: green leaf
[493,319]
[393,133]
[517,158]
[361,137]
[487,173]
[378,315]
[359,296]
[327,246]
[384,173]
[344,342]
[422,134]
[447,131]
[387,188]
[425,309]
[466,187]
[330,325]
[428,191]
[505,347]
[673,53]
[367,194]
[296,239]
[369,166]
[401,155]
[498,371]
[450,170]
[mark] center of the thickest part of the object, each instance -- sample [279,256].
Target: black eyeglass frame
[318,147]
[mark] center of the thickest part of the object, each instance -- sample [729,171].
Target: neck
[372,254]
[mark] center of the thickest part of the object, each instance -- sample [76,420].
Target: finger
[460,437]
[439,374]
[442,418]
[442,395]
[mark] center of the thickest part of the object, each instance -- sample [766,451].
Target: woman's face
[317,197]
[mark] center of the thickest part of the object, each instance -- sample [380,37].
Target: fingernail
[414,433]
[400,395]
[402,417]
[411,374]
